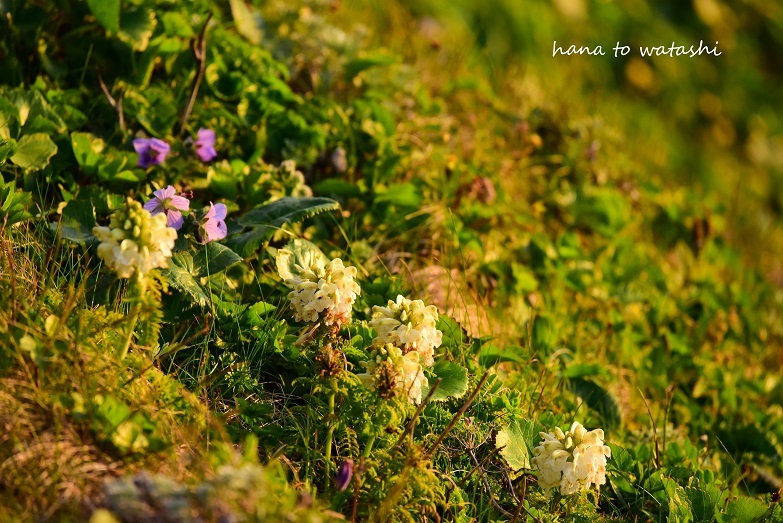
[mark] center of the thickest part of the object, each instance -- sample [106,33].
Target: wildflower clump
[393,373]
[409,325]
[572,461]
[321,290]
[135,241]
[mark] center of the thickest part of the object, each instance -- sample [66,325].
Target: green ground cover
[601,239]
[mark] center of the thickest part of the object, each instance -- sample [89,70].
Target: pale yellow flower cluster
[135,241]
[391,373]
[572,461]
[323,292]
[409,325]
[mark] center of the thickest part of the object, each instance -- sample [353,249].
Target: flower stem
[129,336]
[328,443]
[368,448]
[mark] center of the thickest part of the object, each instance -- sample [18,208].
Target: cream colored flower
[392,373]
[573,460]
[324,292]
[135,241]
[409,325]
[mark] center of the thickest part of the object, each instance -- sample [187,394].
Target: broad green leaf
[87,149]
[213,258]
[264,220]
[598,399]
[454,384]
[34,151]
[517,442]
[13,204]
[107,12]
[136,27]
[298,252]
[702,505]
[543,335]
[746,510]
[181,275]
[248,23]
[77,221]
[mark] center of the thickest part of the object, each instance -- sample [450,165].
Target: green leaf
[213,258]
[298,252]
[401,194]
[7,149]
[454,384]
[248,24]
[77,221]
[136,28]
[338,188]
[264,220]
[517,442]
[357,65]
[87,150]
[581,370]
[598,399]
[745,510]
[181,275]
[702,505]
[107,12]
[490,355]
[34,151]
[13,204]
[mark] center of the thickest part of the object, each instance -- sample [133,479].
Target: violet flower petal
[174,219]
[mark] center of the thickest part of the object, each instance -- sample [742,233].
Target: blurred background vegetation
[713,123]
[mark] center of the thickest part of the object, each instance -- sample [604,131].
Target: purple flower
[151,151]
[205,145]
[213,225]
[344,475]
[166,201]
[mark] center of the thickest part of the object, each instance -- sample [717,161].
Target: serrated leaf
[454,384]
[702,506]
[77,221]
[180,275]
[107,12]
[264,220]
[517,442]
[298,252]
[213,258]
[34,151]
[746,510]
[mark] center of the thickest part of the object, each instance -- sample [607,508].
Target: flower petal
[154,206]
[174,219]
[141,145]
[220,212]
[179,202]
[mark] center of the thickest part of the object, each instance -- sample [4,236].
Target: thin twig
[200,53]
[458,415]
[474,469]
[116,104]
[487,487]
